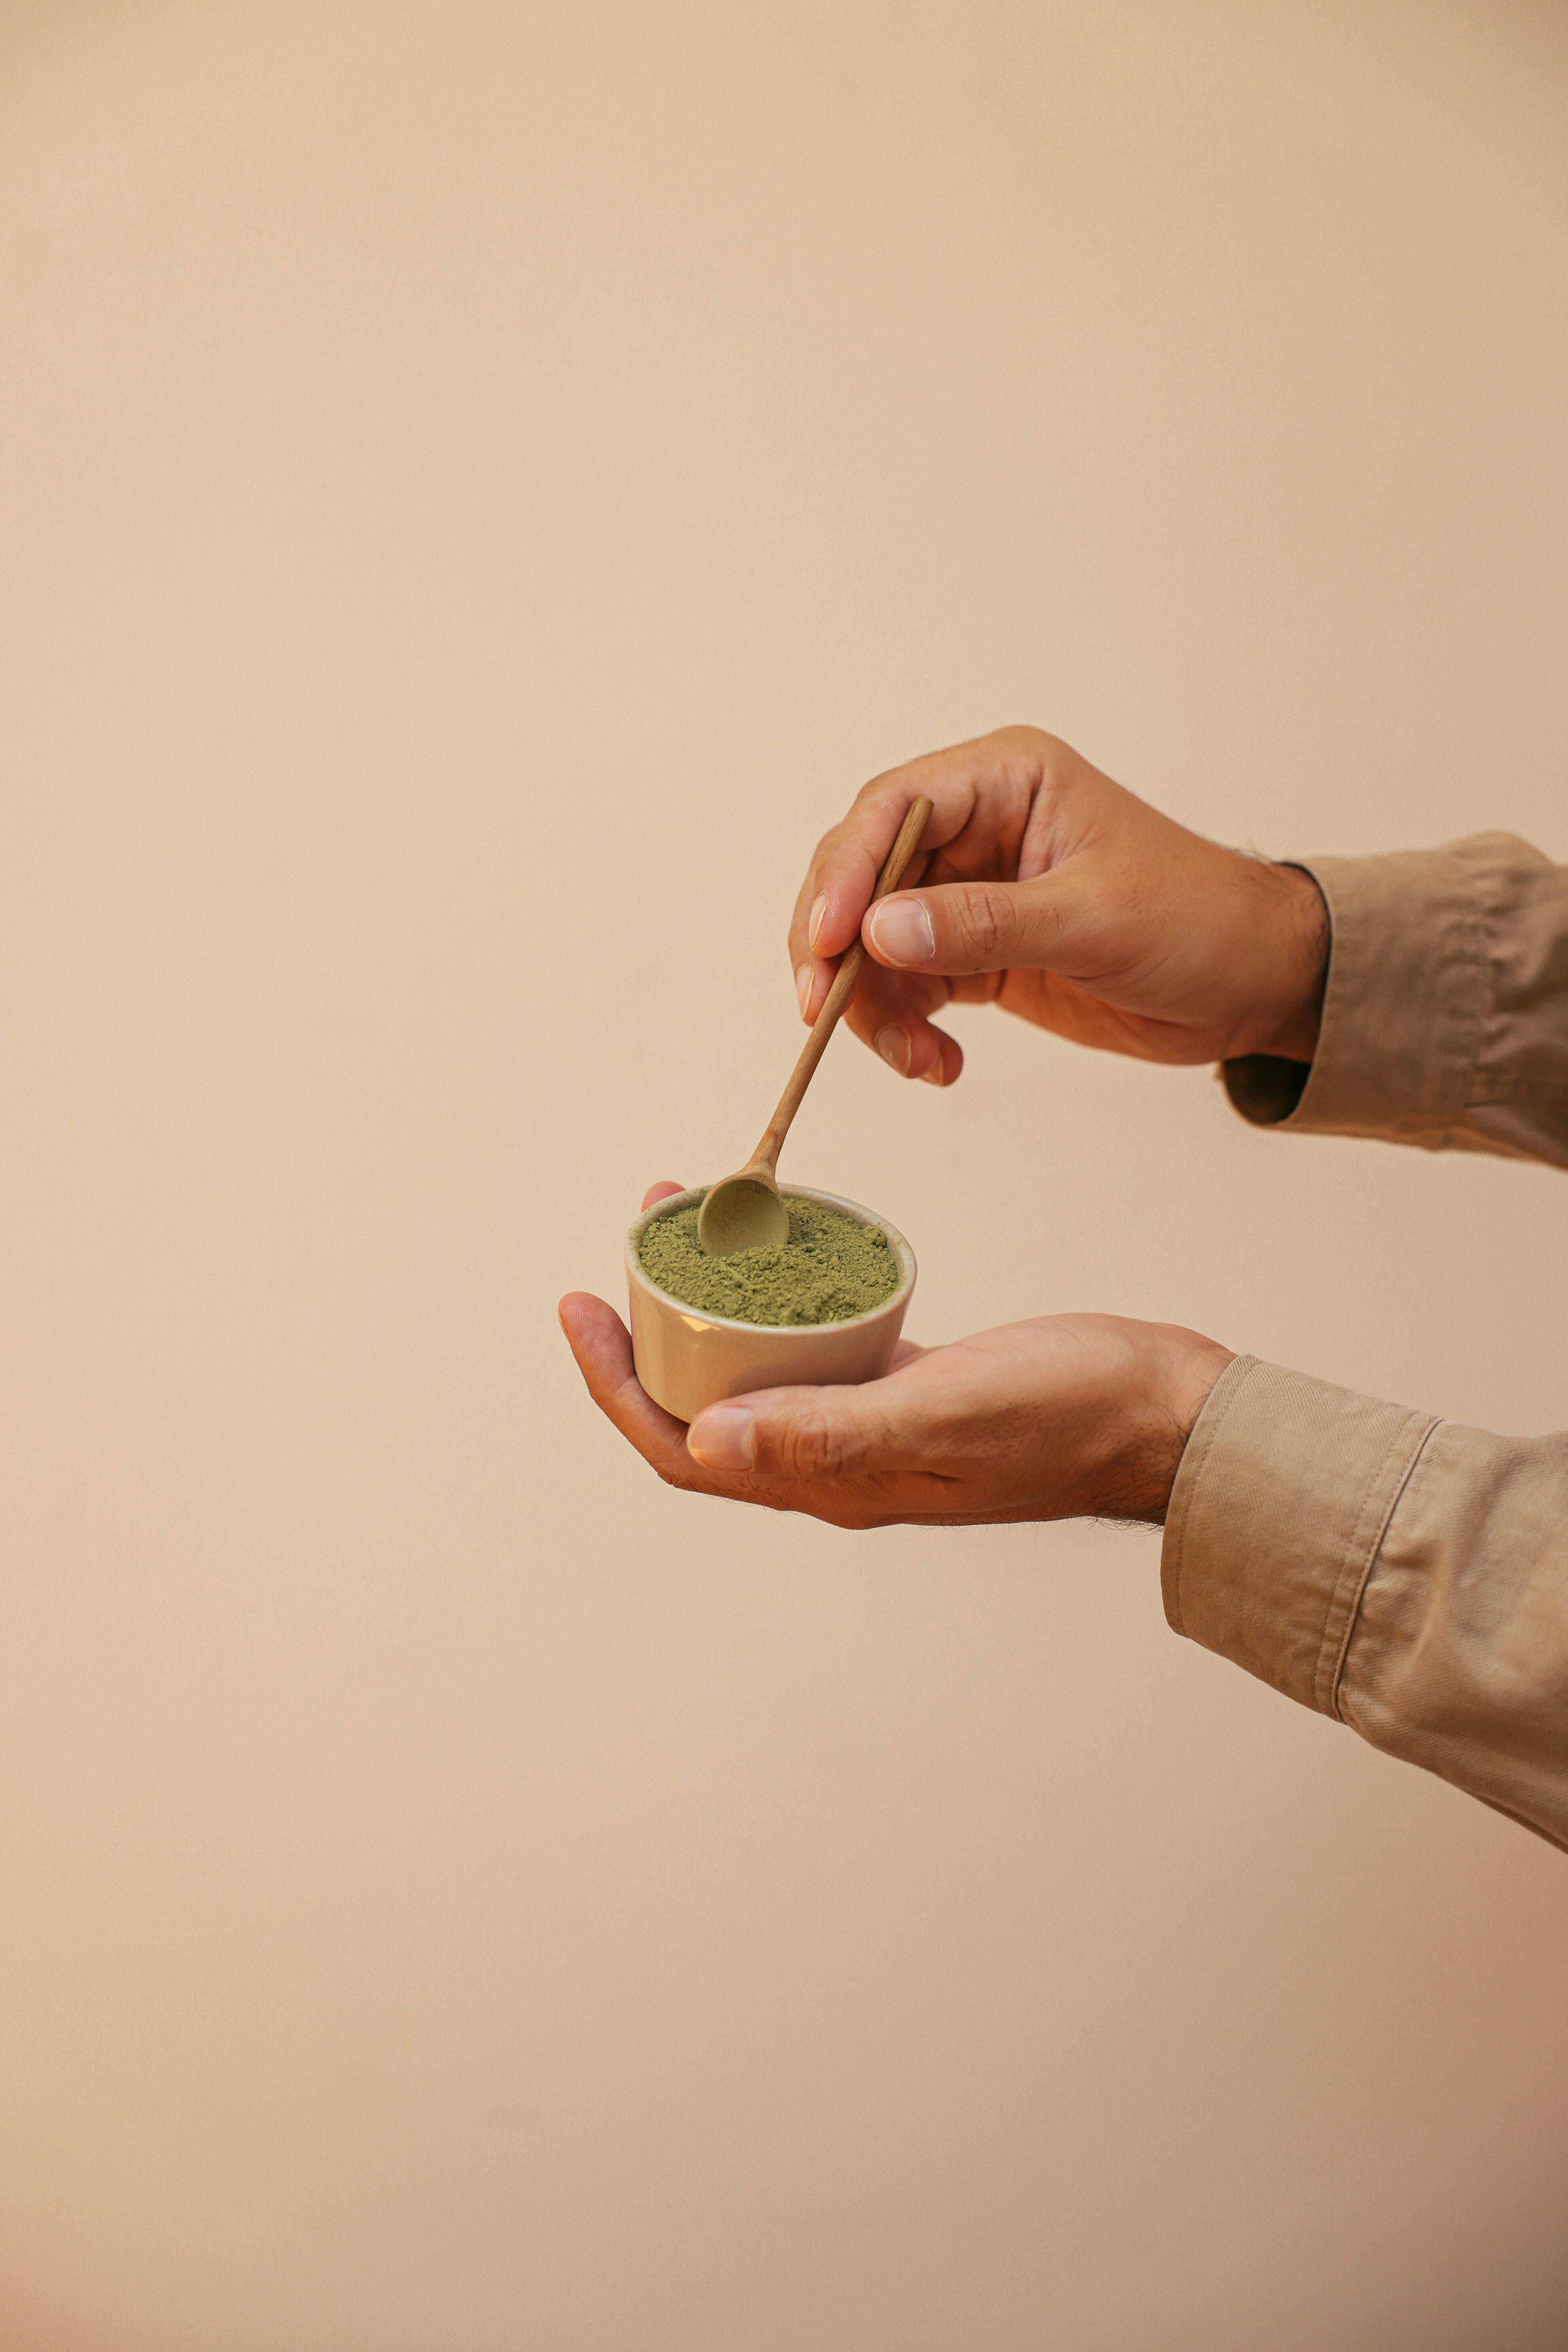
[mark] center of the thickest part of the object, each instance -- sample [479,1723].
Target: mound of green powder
[829,1268]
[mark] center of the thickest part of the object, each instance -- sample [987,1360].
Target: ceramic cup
[685,1360]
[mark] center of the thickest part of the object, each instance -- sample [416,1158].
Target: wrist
[1297,937]
[1180,1371]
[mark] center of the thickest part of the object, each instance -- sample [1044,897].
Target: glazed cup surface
[687,1359]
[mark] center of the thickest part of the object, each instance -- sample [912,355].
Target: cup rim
[695,1193]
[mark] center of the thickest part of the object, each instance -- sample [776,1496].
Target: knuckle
[1035,744]
[985,924]
[810,1446]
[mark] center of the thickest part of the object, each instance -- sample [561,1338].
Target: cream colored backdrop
[484,484]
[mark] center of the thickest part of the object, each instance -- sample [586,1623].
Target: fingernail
[900,930]
[893,1045]
[804,982]
[819,909]
[933,1076]
[723,1438]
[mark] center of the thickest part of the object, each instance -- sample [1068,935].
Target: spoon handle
[904,847]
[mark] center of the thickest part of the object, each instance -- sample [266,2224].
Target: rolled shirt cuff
[1281,1503]
[1403,1007]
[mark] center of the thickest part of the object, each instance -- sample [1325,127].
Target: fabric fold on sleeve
[1443,1021]
[1282,1498]
[1406,1576]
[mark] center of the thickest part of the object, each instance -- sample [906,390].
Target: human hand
[1051,891]
[1063,1417]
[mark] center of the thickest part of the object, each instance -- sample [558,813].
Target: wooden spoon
[744,1210]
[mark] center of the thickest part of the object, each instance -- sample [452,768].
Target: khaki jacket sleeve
[1405,1575]
[1446,1013]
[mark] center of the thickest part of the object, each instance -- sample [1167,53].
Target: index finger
[846,861]
[603,1347]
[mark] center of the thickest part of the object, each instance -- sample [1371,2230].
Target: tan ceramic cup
[685,1360]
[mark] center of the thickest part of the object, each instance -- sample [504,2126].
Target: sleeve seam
[1469,1041]
[1200,1468]
[1331,1691]
[1519,1090]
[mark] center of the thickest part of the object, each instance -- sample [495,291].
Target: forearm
[1406,1576]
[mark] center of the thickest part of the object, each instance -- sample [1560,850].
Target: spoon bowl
[745,1211]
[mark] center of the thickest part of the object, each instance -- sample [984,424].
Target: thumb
[805,1432]
[976,926]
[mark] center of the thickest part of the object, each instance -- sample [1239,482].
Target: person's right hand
[1050,890]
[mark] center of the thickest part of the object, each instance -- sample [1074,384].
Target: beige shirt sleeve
[1405,1575]
[1446,1015]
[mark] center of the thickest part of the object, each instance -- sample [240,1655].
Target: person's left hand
[1061,1417]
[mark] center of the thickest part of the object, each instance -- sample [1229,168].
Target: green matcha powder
[829,1269]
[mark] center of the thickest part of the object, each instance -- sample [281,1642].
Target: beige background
[484,483]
